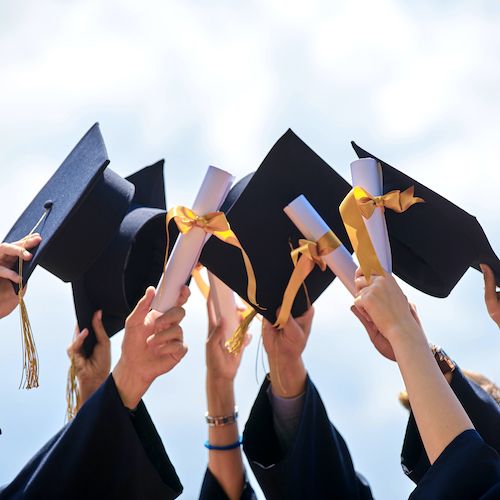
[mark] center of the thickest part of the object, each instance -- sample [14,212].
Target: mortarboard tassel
[72,393]
[29,377]
[235,343]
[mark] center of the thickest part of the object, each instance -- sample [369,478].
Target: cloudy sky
[202,83]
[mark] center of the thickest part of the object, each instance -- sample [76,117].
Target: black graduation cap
[254,208]
[77,211]
[130,263]
[434,243]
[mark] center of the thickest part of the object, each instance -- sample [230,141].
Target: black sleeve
[105,452]
[318,465]
[483,411]
[212,490]
[467,468]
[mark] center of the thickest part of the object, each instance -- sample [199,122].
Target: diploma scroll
[367,173]
[313,227]
[224,304]
[187,248]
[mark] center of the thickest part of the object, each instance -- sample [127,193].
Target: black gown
[105,452]
[212,490]
[468,468]
[318,464]
[483,411]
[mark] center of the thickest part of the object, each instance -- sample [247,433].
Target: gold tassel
[29,377]
[235,343]
[72,393]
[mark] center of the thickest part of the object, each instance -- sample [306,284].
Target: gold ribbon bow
[305,257]
[359,205]
[396,200]
[214,223]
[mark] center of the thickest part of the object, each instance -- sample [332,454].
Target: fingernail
[26,253]
[99,314]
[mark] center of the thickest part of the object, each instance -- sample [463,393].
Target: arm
[439,415]
[226,466]
[108,450]
[9,254]
[295,451]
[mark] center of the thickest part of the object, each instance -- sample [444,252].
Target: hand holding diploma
[321,248]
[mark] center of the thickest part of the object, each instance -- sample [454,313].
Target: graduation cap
[76,213]
[254,208]
[132,261]
[433,246]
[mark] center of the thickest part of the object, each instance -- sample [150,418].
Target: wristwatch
[445,363]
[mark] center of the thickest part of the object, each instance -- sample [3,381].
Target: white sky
[217,83]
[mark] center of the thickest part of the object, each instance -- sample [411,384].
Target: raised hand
[153,344]
[92,371]
[385,310]
[221,365]
[491,296]
[9,254]
[284,349]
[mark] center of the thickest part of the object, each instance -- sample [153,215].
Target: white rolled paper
[224,304]
[313,227]
[367,173]
[187,248]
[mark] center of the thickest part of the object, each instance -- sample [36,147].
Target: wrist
[129,387]
[288,377]
[406,335]
[220,396]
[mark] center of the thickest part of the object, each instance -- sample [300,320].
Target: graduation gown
[483,411]
[468,468]
[212,490]
[107,452]
[318,464]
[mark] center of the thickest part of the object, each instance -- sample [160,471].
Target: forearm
[439,415]
[288,377]
[225,465]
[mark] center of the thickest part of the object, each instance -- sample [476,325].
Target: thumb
[99,330]
[142,308]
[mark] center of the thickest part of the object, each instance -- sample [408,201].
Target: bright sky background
[217,83]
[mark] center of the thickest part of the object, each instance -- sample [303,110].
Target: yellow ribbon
[359,205]
[203,286]
[312,253]
[214,223]
[396,200]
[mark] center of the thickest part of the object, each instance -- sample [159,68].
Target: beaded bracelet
[226,447]
[220,421]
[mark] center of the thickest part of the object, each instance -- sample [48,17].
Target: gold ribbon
[214,223]
[359,205]
[305,257]
[202,285]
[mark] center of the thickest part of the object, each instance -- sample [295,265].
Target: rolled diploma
[187,248]
[312,226]
[366,173]
[224,304]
